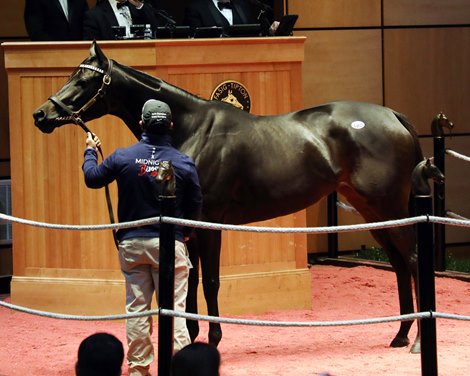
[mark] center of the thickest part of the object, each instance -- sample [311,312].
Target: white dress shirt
[227,13]
[65,7]
[123,16]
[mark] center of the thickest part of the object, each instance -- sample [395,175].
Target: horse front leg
[193,283]
[210,245]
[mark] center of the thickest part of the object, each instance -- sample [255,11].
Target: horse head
[165,179]
[82,98]
[424,171]
[440,122]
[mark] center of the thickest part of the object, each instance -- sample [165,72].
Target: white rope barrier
[54,226]
[236,321]
[457,155]
[215,226]
[218,226]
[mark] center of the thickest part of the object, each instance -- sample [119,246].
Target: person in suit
[54,20]
[222,13]
[99,20]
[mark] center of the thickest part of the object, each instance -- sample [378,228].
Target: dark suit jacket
[203,13]
[99,20]
[45,20]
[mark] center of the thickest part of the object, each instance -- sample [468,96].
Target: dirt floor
[31,345]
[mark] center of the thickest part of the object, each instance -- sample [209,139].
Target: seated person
[54,20]
[99,20]
[222,13]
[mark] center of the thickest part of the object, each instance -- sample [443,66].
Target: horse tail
[406,123]
[417,149]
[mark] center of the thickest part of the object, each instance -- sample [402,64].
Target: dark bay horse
[364,151]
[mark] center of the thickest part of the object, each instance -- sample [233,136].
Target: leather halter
[75,117]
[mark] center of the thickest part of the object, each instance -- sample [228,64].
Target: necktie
[120,5]
[224,5]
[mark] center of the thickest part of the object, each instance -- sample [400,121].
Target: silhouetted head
[156,117]
[100,354]
[196,359]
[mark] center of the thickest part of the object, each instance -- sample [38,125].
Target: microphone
[170,22]
[262,16]
[262,6]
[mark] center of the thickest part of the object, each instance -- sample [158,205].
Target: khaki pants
[139,259]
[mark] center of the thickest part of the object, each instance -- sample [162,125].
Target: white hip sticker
[358,124]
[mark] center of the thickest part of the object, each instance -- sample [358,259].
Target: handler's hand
[92,141]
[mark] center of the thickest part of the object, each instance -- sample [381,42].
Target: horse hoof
[416,348]
[400,342]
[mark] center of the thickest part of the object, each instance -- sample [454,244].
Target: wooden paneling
[426,71]
[47,181]
[342,64]
[335,13]
[426,12]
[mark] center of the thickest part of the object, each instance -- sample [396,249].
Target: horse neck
[133,88]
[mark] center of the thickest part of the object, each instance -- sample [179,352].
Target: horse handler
[134,168]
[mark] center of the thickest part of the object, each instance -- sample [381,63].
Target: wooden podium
[77,272]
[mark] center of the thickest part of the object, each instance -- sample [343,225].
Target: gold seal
[233,92]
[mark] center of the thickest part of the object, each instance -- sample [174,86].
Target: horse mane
[145,77]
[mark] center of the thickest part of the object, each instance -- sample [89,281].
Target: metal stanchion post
[440,204]
[166,291]
[426,287]
[332,221]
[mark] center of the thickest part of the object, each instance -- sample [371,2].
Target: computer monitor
[137,31]
[207,32]
[286,25]
[119,32]
[243,30]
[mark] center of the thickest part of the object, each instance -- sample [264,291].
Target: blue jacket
[132,167]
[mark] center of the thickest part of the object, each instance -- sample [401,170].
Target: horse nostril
[39,116]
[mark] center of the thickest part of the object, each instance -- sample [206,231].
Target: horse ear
[95,50]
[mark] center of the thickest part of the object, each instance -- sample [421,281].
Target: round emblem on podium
[233,92]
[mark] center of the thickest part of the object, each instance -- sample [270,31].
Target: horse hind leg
[210,266]
[193,283]
[398,243]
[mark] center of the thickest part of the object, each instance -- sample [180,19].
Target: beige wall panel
[426,71]
[457,173]
[342,64]
[335,13]
[426,12]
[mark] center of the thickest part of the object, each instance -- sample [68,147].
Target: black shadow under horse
[364,151]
